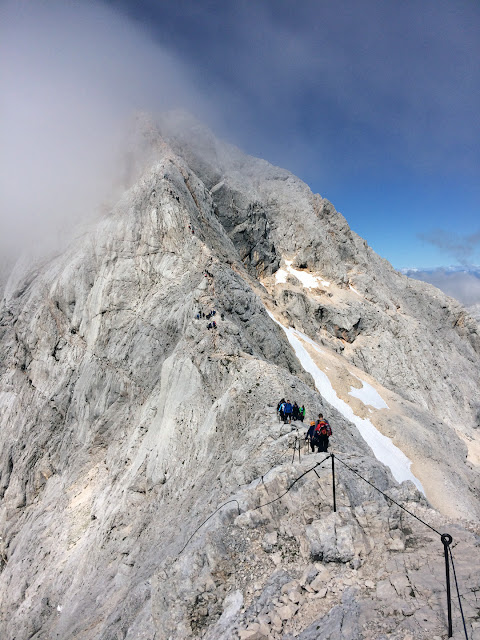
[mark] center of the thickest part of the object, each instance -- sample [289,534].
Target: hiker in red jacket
[322,433]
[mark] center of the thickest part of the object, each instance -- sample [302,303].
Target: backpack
[323,429]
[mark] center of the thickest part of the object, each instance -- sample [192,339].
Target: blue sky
[374,103]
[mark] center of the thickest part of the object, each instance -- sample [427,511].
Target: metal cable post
[447,541]
[333,484]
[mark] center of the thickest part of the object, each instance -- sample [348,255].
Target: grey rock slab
[331,540]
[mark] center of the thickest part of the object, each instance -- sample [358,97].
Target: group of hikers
[211,325]
[288,411]
[318,433]
[207,316]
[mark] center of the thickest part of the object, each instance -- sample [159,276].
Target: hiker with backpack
[288,412]
[301,413]
[295,411]
[310,434]
[280,409]
[322,433]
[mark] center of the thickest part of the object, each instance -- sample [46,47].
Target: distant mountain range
[460,282]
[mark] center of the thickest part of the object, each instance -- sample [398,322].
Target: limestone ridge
[125,422]
[378,328]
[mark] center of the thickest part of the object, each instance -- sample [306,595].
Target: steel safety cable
[259,506]
[254,508]
[388,497]
[291,485]
[210,516]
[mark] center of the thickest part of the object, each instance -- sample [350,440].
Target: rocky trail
[287,566]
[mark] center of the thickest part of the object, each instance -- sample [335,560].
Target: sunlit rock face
[126,421]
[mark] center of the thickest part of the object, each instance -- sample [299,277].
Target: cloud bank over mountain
[459,283]
[71,76]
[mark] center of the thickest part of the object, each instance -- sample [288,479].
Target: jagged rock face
[125,422]
[397,329]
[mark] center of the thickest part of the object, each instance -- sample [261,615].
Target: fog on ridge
[71,77]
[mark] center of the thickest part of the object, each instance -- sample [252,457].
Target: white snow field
[281,276]
[383,448]
[354,290]
[368,395]
[308,280]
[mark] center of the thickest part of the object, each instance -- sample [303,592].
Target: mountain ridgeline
[126,422]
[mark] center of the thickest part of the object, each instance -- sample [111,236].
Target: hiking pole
[333,483]
[299,444]
[447,541]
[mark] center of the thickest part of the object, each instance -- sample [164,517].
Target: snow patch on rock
[368,395]
[308,280]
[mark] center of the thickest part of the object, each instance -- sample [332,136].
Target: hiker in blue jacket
[310,435]
[288,411]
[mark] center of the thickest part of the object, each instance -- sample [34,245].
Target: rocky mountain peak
[140,374]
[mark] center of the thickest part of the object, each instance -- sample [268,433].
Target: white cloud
[462,285]
[70,77]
